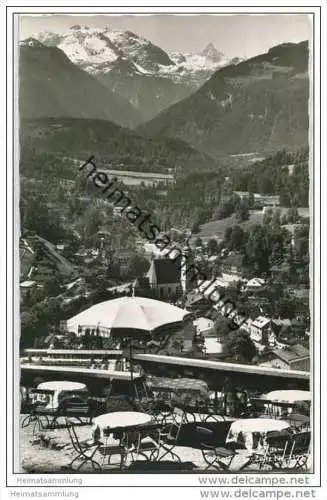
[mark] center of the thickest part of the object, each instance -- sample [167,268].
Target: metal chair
[76,407]
[148,442]
[127,442]
[276,450]
[169,435]
[85,449]
[40,403]
[300,451]
[213,456]
[161,411]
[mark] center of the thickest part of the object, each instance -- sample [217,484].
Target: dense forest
[284,174]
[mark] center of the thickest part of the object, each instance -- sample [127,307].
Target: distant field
[217,228]
[132,178]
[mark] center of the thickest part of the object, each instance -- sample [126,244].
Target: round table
[252,432]
[61,389]
[119,419]
[122,419]
[288,396]
[279,399]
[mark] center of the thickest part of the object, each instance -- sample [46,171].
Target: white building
[260,328]
[205,327]
[255,284]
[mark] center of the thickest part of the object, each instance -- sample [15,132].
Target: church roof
[165,271]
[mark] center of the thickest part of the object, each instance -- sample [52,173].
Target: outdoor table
[279,400]
[252,432]
[288,396]
[119,419]
[61,389]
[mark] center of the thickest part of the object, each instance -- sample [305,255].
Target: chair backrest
[279,442]
[74,438]
[73,401]
[73,405]
[148,430]
[178,419]
[301,443]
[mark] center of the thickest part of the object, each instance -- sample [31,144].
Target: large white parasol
[287,396]
[128,313]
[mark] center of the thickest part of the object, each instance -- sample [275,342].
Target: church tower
[187,270]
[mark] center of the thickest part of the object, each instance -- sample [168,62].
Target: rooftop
[256,282]
[261,321]
[234,259]
[292,353]
[165,271]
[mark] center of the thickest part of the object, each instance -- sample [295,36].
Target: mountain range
[50,85]
[257,105]
[133,67]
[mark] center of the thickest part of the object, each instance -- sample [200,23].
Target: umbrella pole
[130,359]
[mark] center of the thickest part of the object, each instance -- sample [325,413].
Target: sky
[235,35]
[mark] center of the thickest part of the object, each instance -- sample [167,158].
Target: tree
[251,200]
[93,220]
[137,266]
[52,286]
[242,212]
[223,327]
[198,242]
[195,228]
[213,246]
[276,218]
[268,215]
[227,235]
[257,249]
[237,238]
[38,218]
[292,215]
[286,332]
[240,345]
[28,322]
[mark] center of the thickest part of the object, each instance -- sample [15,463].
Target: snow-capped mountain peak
[212,53]
[95,49]
[100,51]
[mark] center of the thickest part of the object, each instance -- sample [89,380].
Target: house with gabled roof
[233,264]
[295,357]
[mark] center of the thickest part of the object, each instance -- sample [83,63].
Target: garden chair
[212,455]
[85,449]
[169,435]
[40,403]
[148,441]
[70,407]
[276,451]
[300,451]
[127,438]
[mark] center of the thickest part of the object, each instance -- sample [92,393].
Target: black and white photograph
[165,253]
